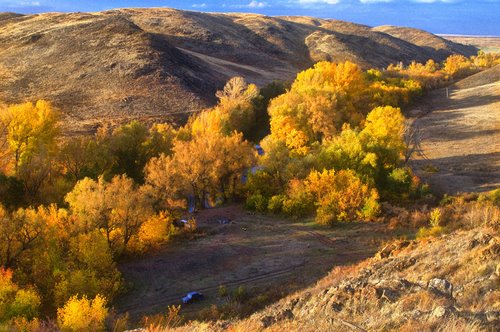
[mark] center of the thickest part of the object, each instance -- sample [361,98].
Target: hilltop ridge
[162,64]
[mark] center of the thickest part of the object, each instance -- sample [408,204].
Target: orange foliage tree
[319,102]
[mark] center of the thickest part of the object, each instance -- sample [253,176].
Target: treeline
[102,197]
[339,142]
[73,206]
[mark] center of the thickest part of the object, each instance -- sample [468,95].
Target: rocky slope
[449,283]
[161,63]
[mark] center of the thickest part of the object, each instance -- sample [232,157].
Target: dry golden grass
[457,136]
[392,294]
[162,63]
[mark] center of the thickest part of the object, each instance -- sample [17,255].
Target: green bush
[371,209]
[400,180]
[26,304]
[434,231]
[492,196]
[261,182]
[256,202]
[275,204]
[223,291]
[240,294]
[16,302]
[435,218]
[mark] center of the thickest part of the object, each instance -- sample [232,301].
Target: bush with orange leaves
[336,196]
[16,302]
[341,196]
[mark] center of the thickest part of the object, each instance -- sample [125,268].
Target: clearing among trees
[258,252]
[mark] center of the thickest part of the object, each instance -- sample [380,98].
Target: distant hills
[162,64]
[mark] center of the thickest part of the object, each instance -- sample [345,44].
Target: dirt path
[461,136]
[252,250]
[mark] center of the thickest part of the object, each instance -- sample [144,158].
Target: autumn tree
[30,128]
[75,156]
[383,134]
[319,102]
[348,151]
[486,60]
[392,91]
[457,66]
[31,133]
[50,252]
[205,165]
[118,208]
[262,126]
[160,140]
[83,314]
[18,232]
[128,147]
[89,269]
[236,106]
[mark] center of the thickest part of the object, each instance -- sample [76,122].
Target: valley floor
[256,251]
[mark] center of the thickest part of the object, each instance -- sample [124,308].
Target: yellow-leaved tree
[31,128]
[206,165]
[236,105]
[31,131]
[319,102]
[82,314]
[117,208]
[383,135]
[457,66]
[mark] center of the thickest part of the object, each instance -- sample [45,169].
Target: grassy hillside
[485,43]
[457,154]
[153,64]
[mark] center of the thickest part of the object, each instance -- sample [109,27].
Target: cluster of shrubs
[339,142]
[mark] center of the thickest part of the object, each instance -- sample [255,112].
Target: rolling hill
[162,64]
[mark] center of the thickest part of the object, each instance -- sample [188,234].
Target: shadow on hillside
[468,173]
[461,133]
[470,101]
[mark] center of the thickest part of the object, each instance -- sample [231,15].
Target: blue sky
[480,17]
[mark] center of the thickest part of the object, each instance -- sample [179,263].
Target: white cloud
[199,5]
[30,3]
[374,1]
[256,4]
[328,2]
[253,4]
[433,1]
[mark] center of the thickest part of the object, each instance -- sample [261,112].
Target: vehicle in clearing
[192,297]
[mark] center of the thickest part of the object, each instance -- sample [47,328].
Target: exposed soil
[252,250]
[461,136]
